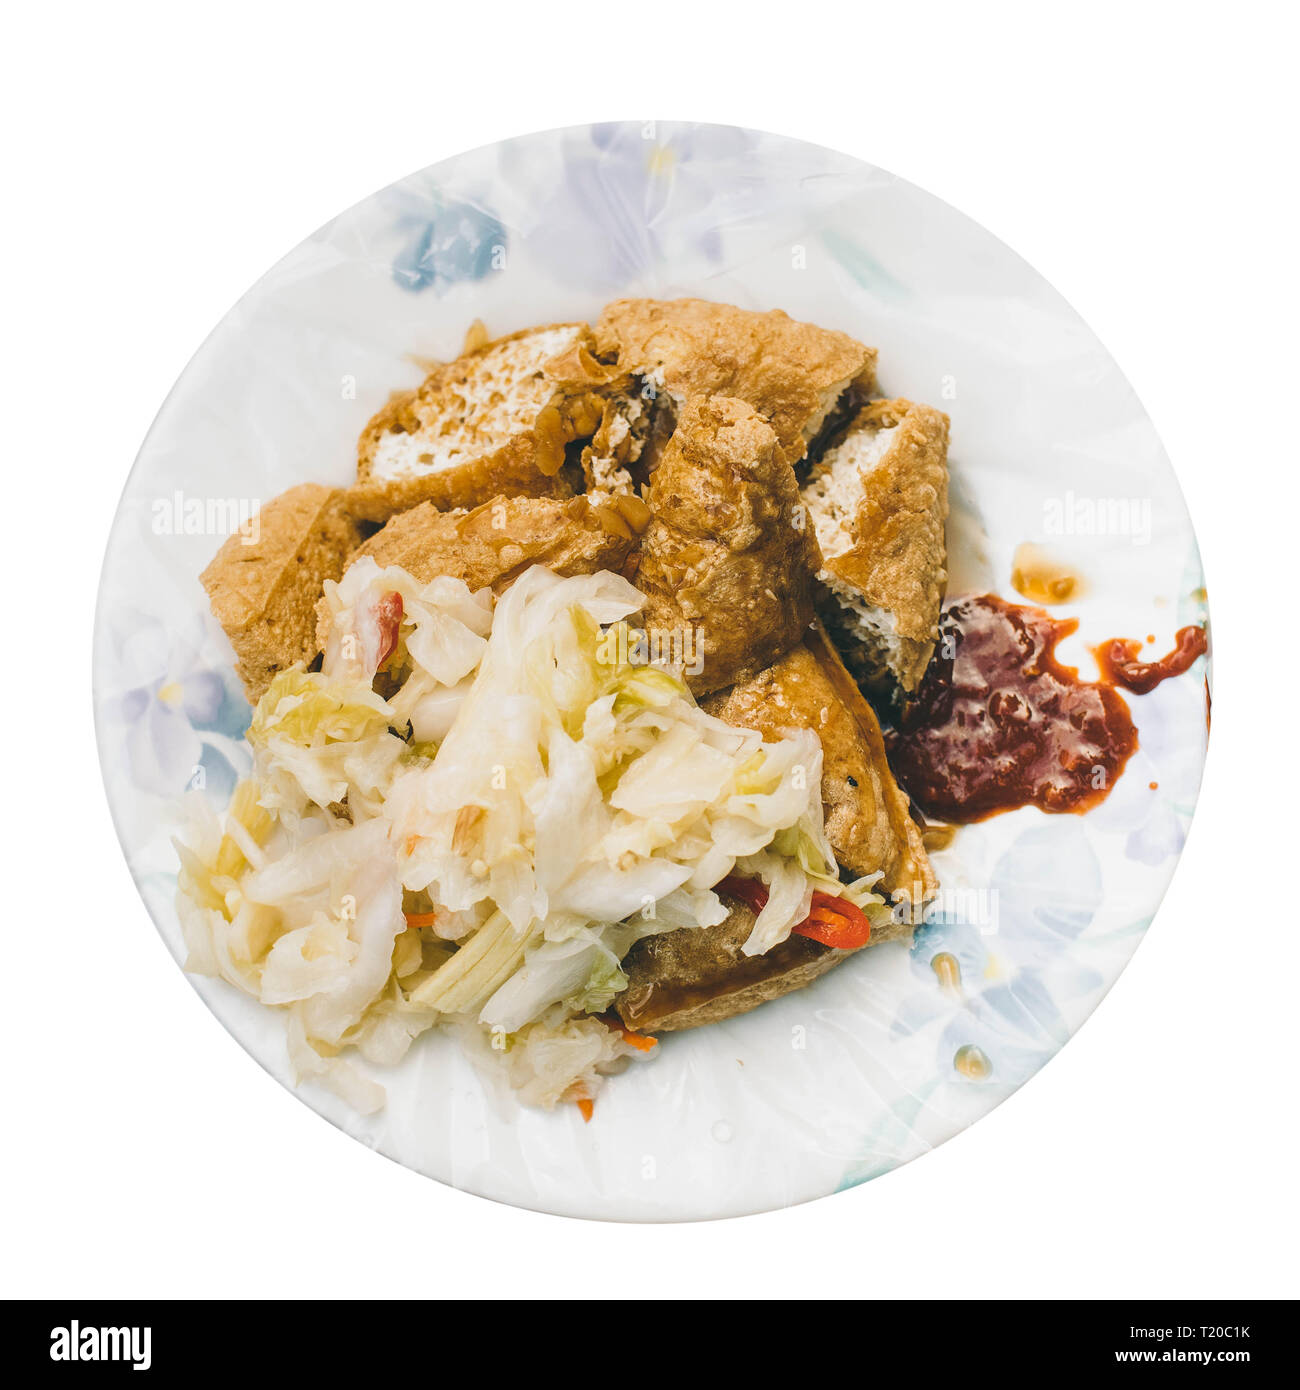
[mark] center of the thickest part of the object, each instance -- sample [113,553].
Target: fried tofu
[697,975]
[796,375]
[727,560]
[879,503]
[493,544]
[494,422]
[263,592]
[868,820]
[609,462]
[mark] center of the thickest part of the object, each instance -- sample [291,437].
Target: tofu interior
[868,634]
[471,417]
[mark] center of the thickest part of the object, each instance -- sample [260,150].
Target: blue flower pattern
[459,241]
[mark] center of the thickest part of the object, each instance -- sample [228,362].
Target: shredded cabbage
[468,817]
[563,1057]
[319,740]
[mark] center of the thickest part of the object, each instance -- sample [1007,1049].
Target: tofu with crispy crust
[264,593]
[879,504]
[797,376]
[868,820]
[696,975]
[492,545]
[727,560]
[496,421]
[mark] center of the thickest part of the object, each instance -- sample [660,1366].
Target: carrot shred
[643,1042]
[587,1107]
[420,919]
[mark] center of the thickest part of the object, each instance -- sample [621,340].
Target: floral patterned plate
[890,1055]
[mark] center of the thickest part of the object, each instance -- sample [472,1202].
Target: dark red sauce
[998,722]
[1119,662]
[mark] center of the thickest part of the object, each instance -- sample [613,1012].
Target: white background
[159,158]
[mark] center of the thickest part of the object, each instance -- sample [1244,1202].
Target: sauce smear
[1119,662]
[998,722]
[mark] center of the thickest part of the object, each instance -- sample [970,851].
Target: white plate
[842,1081]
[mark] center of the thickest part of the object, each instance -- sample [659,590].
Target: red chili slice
[836,922]
[750,891]
[833,921]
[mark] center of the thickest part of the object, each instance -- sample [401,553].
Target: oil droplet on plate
[721,1131]
[938,835]
[1041,578]
[476,336]
[972,1063]
[947,971]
